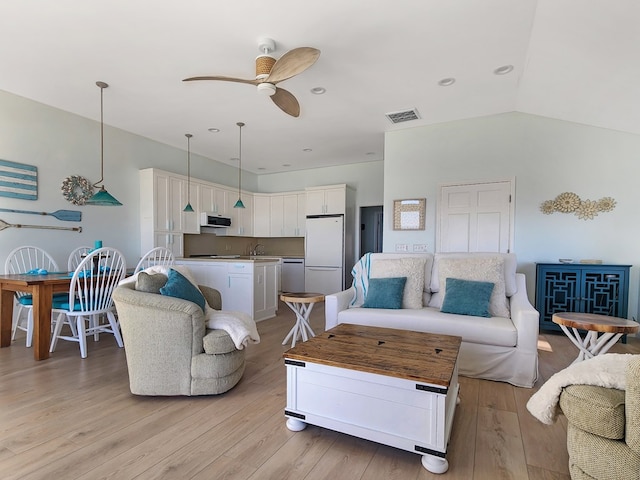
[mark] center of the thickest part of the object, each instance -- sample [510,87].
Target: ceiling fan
[270,72]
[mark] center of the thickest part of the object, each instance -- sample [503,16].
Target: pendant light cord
[102,86]
[188,135]
[240,159]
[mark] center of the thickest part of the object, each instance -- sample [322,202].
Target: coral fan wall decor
[569,202]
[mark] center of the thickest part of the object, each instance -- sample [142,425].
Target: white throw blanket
[239,325]
[608,370]
[360,273]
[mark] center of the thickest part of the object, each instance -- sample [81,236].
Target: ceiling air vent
[403,116]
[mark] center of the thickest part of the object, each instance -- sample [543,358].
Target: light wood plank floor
[68,418]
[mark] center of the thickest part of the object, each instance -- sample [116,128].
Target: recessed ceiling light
[307,150]
[234,159]
[445,82]
[286,164]
[213,130]
[261,168]
[503,70]
[370,153]
[318,90]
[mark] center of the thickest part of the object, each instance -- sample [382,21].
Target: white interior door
[476,217]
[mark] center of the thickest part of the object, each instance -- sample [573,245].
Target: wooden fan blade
[292,63]
[224,79]
[286,102]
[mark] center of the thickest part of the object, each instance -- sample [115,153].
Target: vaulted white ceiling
[576,60]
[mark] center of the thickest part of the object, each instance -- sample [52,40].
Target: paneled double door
[600,289]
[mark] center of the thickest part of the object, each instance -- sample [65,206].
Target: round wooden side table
[301,303]
[602,331]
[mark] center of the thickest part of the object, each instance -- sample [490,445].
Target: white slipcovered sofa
[501,346]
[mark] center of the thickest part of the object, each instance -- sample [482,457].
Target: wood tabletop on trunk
[416,356]
[595,322]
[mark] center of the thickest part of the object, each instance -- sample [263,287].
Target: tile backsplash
[209,243]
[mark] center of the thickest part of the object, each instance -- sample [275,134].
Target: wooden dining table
[42,288]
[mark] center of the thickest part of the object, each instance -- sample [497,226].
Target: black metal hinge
[295,363]
[427,388]
[435,453]
[295,415]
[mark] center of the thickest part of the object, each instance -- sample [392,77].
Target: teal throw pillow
[385,293]
[179,287]
[467,297]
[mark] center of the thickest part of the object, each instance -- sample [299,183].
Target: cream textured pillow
[410,267]
[484,269]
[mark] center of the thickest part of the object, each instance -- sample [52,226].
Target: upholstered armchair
[169,350]
[603,433]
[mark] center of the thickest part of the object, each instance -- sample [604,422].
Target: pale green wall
[62,144]
[546,157]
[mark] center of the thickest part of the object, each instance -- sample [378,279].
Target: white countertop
[232,258]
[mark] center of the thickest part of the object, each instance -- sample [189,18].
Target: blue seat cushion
[62,303]
[28,299]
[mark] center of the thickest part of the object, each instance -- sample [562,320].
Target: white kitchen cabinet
[245,286]
[261,215]
[163,197]
[172,241]
[287,214]
[326,200]
[276,228]
[242,218]
[210,274]
[171,198]
[265,290]
[215,199]
[238,295]
[251,288]
[294,214]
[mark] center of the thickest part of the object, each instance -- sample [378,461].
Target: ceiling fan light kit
[270,72]
[102,197]
[267,89]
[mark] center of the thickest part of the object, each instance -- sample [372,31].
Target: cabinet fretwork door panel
[585,288]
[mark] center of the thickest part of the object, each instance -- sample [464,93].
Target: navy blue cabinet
[588,288]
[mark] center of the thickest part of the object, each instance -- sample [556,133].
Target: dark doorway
[370,229]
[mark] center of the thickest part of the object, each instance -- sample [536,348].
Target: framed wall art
[18,180]
[408,214]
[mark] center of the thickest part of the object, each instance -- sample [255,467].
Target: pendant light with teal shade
[239,203]
[102,197]
[188,208]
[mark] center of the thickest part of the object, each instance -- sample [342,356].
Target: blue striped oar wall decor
[18,180]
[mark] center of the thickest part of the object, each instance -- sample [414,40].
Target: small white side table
[602,331]
[301,303]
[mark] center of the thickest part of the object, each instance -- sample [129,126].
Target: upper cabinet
[163,221]
[261,215]
[293,214]
[327,200]
[163,197]
[242,218]
[215,199]
[279,214]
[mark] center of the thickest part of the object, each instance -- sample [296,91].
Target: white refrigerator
[324,254]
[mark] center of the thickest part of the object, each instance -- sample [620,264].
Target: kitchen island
[246,283]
